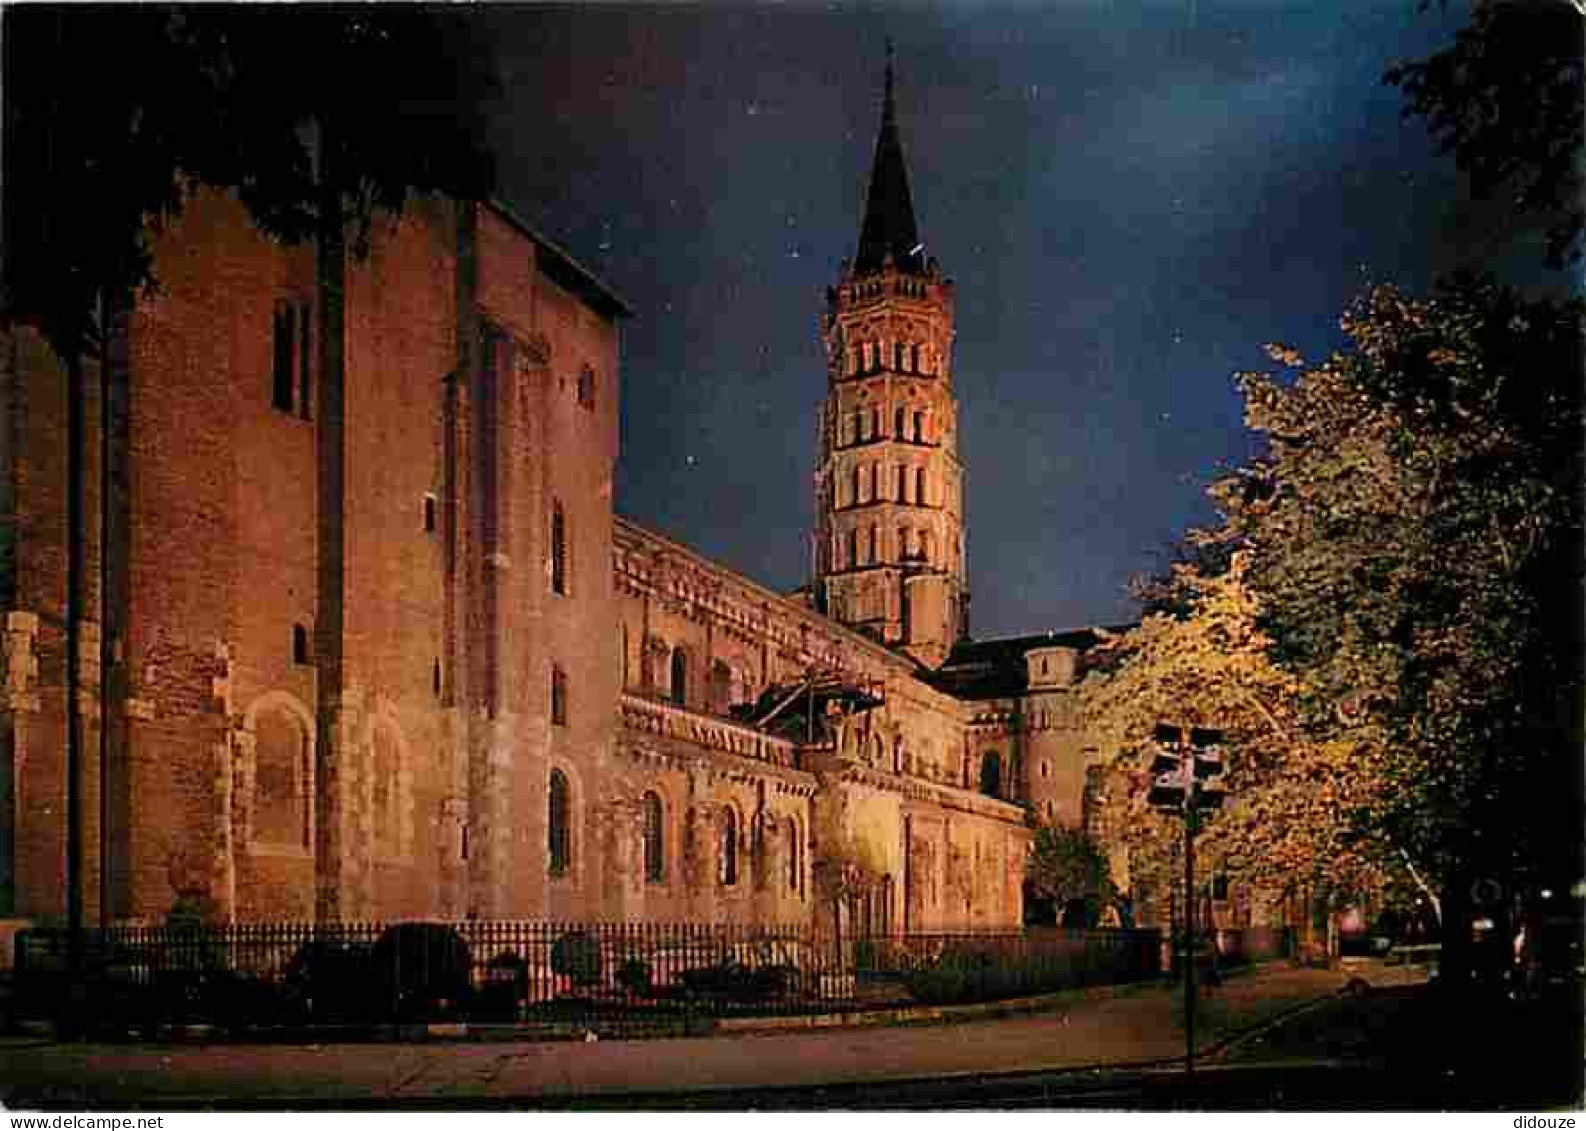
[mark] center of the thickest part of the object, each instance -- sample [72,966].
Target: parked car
[1391,967]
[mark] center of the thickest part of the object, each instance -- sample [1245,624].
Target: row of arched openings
[905,357]
[869,475]
[900,420]
[728,832]
[863,547]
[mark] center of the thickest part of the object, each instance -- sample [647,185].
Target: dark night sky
[1131,197]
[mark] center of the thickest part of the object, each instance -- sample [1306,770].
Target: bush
[330,979]
[966,974]
[505,989]
[736,982]
[634,976]
[422,970]
[576,957]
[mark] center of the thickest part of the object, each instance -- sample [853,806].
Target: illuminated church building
[379,647]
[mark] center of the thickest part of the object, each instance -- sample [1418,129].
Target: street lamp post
[1187,780]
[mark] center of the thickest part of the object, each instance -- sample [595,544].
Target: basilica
[365,639]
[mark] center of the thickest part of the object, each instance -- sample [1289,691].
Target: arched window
[299,644]
[679,684]
[558,547]
[875,423]
[897,356]
[903,483]
[875,471]
[853,549]
[654,838]
[914,361]
[720,687]
[875,545]
[897,423]
[729,846]
[897,754]
[919,486]
[558,837]
[281,779]
[919,427]
[990,774]
[854,499]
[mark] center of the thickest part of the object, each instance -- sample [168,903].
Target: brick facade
[380,647]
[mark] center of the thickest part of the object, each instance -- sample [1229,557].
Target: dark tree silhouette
[1507,100]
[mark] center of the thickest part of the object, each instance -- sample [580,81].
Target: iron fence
[287,975]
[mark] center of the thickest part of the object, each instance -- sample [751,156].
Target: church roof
[889,227]
[995,669]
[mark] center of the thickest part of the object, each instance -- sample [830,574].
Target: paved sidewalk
[1137,1025]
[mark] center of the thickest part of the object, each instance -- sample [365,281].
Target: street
[1280,1037]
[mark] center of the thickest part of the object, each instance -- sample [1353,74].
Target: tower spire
[889,228]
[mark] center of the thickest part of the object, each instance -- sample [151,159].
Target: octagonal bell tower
[889,541]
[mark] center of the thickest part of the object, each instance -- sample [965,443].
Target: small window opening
[586,387]
[558,548]
[558,838]
[299,644]
[305,339]
[284,342]
[729,847]
[429,514]
[558,697]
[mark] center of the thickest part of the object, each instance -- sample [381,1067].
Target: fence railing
[293,974]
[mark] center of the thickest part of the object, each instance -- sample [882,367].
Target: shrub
[576,957]
[331,979]
[634,976]
[422,970]
[506,987]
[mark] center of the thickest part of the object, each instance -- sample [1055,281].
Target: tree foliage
[114,113]
[1065,867]
[1507,99]
[1393,647]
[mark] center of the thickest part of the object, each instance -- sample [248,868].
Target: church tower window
[914,358]
[919,486]
[919,427]
[897,424]
[875,423]
[853,499]
[874,545]
[853,549]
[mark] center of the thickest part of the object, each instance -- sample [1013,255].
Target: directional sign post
[1187,768]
